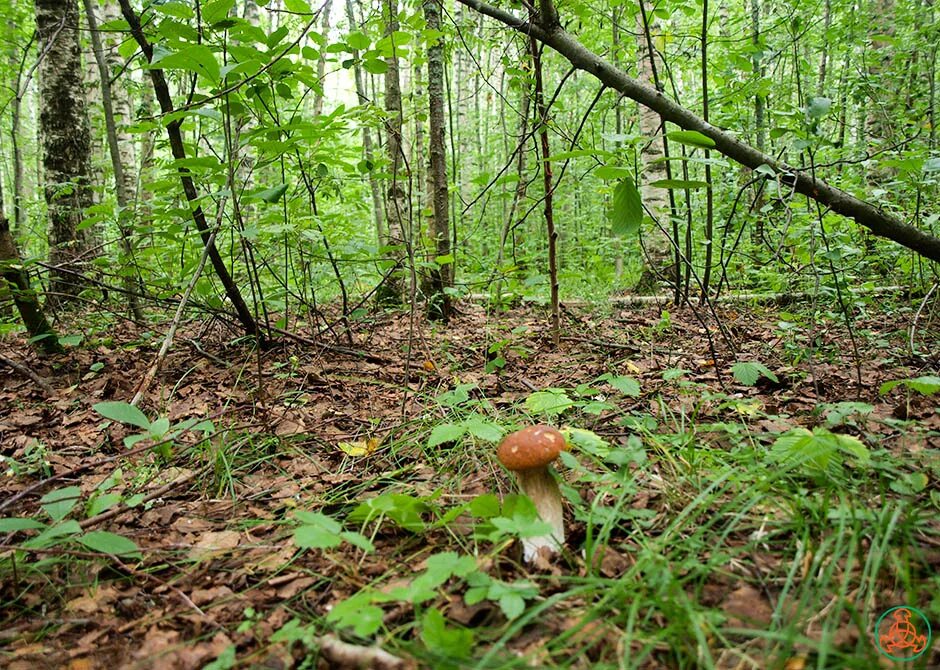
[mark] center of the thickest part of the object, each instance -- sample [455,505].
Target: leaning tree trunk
[178,149]
[66,140]
[442,272]
[14,275]
[396,198]
[803,182]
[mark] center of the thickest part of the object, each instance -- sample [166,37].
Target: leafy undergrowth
[286,507]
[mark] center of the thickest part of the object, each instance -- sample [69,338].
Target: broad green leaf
[483,429]
[748,372]
[57,504]
[123,412]
[484,506]
[691,138]
[102,502]
[623,383]
[196,58]
[446,432]
[612,172]
[551,402]
[316,537]
[678,183]
[358,613]
[627,211]
[297,6]
[926,385]
[53,535]
[910,484]
[375,66]
[271,195]
[15,524]
[443,640]
[358,41]
[216,10]
[109,543]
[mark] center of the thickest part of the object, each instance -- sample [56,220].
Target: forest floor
[352,498]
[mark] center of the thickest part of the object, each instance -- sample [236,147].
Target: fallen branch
[839,201]
[23,370]
[345,655]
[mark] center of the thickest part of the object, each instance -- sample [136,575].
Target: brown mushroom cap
[532,447]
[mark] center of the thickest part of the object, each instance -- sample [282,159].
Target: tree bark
[66,140]
[367,150]
[14,274]
[396,199]
[122,183]
[803,182]
[442,274]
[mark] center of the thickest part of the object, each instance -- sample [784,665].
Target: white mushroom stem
[542,489]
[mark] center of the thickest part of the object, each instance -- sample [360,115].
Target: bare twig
[23,370]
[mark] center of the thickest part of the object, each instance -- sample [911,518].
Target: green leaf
[748,372]
[271,195]
[512,605]
[358,613]
[926,385]
[15,524]
[678,184]
[691,138]
[612,172]
[53,535]
[122,412]
[109,543]
[297,6]
[551,402]
[483,429]
[623,383]
[216,10]
[317,531]
[375,66]
[443,640]
[57,504]
[446,432]
[358,41]
[627,211]
[484,506]
[910,484]
[102,502]
[196,58]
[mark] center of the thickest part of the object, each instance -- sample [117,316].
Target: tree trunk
[123,183]
[15,276]
[805,183]
[550,233]
[655,200]
[367,150]
[396,197]
[66,140]
[178,150]
[442,273]
[321,61]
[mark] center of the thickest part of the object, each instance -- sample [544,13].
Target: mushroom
[529,452]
